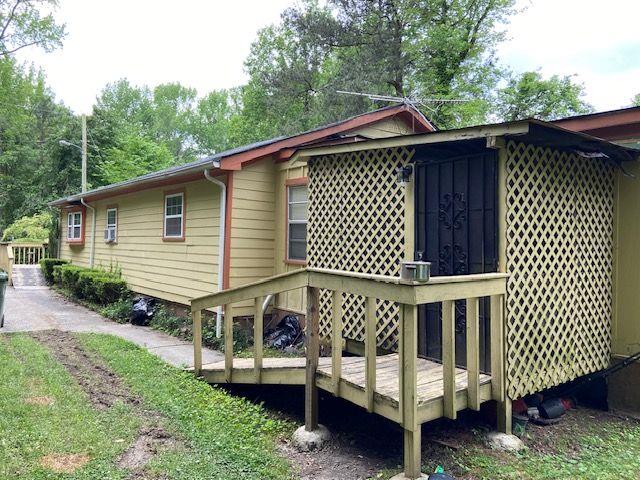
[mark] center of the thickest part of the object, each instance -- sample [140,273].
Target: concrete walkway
[31,308]
[27,276]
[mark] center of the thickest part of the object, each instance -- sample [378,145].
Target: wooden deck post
[228,342]
[449,359]
[313,352]
[498,384]
[336,341]
[409,385]
[197,341]
[370,345]
[473,353]
[258,343]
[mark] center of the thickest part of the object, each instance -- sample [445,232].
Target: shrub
[92,285]
[120,311]
[47,265]
[69,277]
[57,274]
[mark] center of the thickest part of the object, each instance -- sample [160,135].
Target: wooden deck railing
[6,259]
[445,290]
[29,253]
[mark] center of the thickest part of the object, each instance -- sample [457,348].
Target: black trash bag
[287,333]
[142,311]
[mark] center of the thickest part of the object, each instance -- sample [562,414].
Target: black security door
[456,230]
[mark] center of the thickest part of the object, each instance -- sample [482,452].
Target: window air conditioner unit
[110,235]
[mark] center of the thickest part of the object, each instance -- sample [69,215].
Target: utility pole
[84,153]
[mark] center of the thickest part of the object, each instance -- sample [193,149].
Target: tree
[133,156]
[636,101]
[34,228]
[23,25]
[406,48]
[530,95]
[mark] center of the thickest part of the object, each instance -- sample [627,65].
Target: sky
[203,44]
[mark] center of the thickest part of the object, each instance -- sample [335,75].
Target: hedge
[96,286]
[47,265]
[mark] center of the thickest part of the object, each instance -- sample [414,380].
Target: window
[174,216]
[297,202]
[74,226]
[111,232]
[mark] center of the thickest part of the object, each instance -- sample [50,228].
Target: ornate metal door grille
[456,230]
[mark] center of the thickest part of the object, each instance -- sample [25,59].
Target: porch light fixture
[404,174]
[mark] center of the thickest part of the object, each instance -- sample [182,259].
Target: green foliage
[34,228]
[118,311]
[529,95]
[132,157]
[424,48]
[635,101]
[24,25]
[47,265]
[95,286]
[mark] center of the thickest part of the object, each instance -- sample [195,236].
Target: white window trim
[112,225]
[166,217]
[295,222]
[71,226]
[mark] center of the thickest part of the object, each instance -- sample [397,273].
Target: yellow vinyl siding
[626,323]
[387,128]
[173,271]
[252,227]
[293,300]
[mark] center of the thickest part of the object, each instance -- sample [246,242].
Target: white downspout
[223,221]
[93,231]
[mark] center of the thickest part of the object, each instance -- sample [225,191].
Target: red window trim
[184,214]
[83,211]
[291,182]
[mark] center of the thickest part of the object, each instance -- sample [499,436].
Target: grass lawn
[91,406]
[51,428]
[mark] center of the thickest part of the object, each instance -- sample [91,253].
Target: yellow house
[521,226]
[216,223]
[622,127]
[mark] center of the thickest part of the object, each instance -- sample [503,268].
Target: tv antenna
[413,102]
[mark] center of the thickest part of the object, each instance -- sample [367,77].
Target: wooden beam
[412,458]
[313,352]
[497,348]
[336,341]
[449,359]
[458,289]
[276,284]
[258,333]
[228,342]
[197,341]
[370,345]
[473,353]
[367,287]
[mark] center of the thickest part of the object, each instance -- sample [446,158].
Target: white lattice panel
[357,223]
[559,234]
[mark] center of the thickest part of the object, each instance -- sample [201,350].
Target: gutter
[93,231]
[221,242]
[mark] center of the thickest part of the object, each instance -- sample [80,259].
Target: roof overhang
[169,176]
[530,131]
[622,124]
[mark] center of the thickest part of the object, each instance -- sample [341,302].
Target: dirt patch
[43,401]
[102,386]
[64,463]
[104,389]
[150,441]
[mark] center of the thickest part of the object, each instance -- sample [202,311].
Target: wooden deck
[291,371]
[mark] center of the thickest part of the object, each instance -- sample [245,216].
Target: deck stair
[400,386]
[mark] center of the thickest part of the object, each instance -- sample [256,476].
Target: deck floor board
[430,385]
